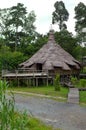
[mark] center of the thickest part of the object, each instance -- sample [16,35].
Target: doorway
[39,67]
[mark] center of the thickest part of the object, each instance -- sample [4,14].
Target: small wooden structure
[51,59]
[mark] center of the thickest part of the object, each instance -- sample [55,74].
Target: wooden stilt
[18,82]
[27,82]
[36,82]
[47,81]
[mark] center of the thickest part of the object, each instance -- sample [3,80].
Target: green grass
[82,97]
[49,90]
[45,90]
[35,124]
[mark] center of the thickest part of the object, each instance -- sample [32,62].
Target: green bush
[82,83]
[57,83]
[74,81]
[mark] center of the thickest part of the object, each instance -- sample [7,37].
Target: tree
[17,26]
[57,83]
[67,41]
[29,23]
[33,47]
[16,21]
[4,28]
[29,28]
[60,15]
[80,16]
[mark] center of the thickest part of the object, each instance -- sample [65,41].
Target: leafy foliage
[80,16]
[82,83]
[78,83]
[8,118]
[16,25]
[60,15]
[66,39]
[74,81]
[10,60]
[57,83]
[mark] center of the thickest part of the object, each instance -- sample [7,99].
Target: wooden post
[27,82]
[18,82]
[47,81]
[44,81]
[53,81]
[47,77]
[36,82]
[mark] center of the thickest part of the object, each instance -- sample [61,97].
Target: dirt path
[60,115]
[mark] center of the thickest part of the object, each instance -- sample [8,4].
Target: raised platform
[23,73]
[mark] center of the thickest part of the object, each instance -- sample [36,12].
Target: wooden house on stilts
[50,60]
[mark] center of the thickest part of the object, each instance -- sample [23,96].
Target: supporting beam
[36,82]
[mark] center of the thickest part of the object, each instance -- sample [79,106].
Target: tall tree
[4,28]
[60,15]
[80,16]
[67,41]
[29,27]
[17,26]
[16,20]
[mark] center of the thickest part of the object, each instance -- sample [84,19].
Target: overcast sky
[43,10]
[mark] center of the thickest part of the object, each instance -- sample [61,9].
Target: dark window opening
[39,67]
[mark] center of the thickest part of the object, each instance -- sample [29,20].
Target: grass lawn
[45,90]
[35,124]
[82,96]
[49,90]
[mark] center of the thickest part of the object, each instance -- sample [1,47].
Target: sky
[43,10]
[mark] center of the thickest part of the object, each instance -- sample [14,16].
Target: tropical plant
[9,119]
[57,83]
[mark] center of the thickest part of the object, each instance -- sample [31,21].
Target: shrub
[74,81]
[82,82]
[57,83]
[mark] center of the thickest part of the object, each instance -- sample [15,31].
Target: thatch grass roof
[52,55]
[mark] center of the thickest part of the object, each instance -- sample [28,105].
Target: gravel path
[60,115]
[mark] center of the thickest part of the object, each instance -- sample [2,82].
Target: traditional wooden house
[53,59]
[43,66]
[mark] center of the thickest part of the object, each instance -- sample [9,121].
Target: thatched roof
[52,55]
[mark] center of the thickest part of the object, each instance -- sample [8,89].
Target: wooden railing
[24,71]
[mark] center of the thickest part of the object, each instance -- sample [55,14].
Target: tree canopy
[16,25]
[80,16]
[60,15]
